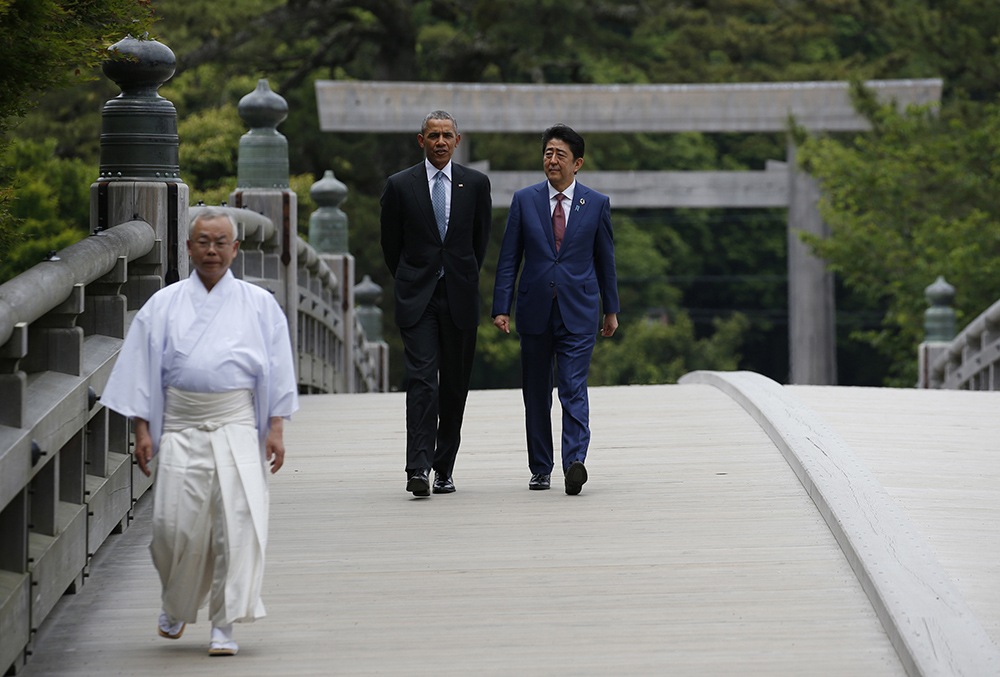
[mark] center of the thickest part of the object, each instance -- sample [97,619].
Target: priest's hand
[143,445]
[274,444]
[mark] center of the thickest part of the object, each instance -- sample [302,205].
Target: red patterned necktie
[559,220]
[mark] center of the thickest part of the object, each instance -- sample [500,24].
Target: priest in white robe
[206,373]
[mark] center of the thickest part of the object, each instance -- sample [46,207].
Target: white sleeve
[129,390]
[283,395]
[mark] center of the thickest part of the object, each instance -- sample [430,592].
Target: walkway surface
[693,550]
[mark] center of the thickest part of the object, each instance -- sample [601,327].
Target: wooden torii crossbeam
[365,106]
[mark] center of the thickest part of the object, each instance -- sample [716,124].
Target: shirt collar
[570,190]
[432,170]
[223,281]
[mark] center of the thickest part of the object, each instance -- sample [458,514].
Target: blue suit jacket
[581,273]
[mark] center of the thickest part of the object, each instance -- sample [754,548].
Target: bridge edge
[926,618]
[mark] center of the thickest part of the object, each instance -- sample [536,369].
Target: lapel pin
[582,201]
[577,208]
[460,185]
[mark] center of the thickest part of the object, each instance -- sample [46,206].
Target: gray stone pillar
[939,330]
[140,174]
[812,329]
[262,185]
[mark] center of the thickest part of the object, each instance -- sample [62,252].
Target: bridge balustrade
[67,479]
[968,361]
[972,360]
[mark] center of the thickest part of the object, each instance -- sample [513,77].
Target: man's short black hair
[566,134]
[438,115]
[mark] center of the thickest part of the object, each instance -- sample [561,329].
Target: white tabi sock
[222,641]
[169,628]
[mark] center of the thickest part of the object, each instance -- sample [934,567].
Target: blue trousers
[570,355]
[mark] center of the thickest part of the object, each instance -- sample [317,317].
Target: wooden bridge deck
[693,550]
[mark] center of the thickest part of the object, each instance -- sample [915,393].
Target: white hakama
[210,508]
[208,370]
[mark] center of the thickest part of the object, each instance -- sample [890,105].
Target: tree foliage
[45,45]
[52,205]
[48,44]
[697,264]
[912,200]
[661,352]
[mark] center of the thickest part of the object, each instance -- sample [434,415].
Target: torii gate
[365,106]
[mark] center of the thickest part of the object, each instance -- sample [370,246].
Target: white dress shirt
[570,190]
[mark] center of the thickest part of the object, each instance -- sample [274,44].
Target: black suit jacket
[413,248]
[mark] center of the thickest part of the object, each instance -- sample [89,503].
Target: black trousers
[438,357]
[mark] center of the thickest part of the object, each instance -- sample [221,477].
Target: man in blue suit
[562,232]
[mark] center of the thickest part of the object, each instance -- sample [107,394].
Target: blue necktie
[437,199]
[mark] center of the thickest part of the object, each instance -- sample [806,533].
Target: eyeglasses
[208,244]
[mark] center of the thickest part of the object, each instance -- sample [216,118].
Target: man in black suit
[436,219]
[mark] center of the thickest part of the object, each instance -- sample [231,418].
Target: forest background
[701,289]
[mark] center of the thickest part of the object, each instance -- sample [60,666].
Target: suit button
[552,284]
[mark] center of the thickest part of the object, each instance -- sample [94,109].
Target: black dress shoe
[539,481]
[576,477]
[417,483]
[442,484]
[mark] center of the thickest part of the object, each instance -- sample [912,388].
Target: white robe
[231,339]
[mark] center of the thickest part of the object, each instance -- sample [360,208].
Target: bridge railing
[972,360]
[335,353]
[67,479]
[968,361]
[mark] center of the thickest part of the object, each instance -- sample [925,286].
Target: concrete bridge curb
[928,621]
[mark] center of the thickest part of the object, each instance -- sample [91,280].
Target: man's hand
[274,444]
[502,322]
[143,445]
[610,324]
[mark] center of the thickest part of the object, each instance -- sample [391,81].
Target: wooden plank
[693,550]
[57,561]
[15,626]
[109,498]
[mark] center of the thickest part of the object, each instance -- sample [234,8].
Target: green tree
[912,200]
[52,206]
[646,352]
[48,44]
